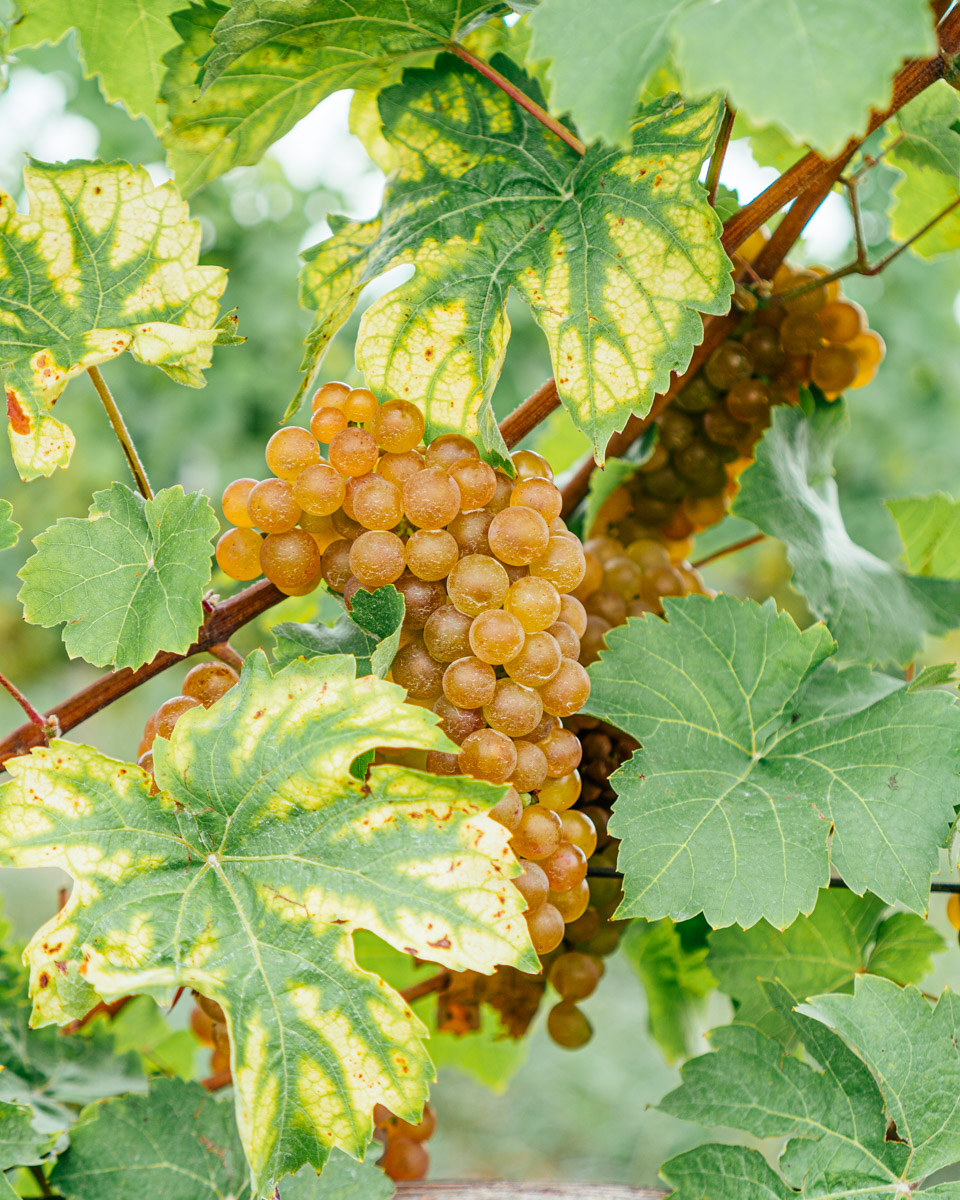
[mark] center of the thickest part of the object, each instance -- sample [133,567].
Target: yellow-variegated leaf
[245,876]
[617,254]
[102,262]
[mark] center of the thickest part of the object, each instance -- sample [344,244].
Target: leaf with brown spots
[245,877]
[616,253]
[103,262]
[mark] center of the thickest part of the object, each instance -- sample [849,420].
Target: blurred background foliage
[582,1115]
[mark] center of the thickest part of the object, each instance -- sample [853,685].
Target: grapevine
[482,732]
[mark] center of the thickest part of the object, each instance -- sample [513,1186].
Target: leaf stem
[137,468]
[537,111]
[226,653]
[42,1181]
[435,983]
[741,545]
[35,716]
[719,153]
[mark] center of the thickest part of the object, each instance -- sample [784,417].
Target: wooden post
[506,1190]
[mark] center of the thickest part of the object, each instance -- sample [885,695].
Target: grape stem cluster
[807,182]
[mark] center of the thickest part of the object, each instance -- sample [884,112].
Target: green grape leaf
[128,580]
[103,262]
[122,43]
[935,675]
[20,1144]
[178,1142]
[877,613]
[9,529]
[600,57]
[616,254]
[926,150]
[762,763]
[370,632]
[929,527]
[890,1056]
[244,878]
[142,1027]
[272,61]
[790,64]
[51,1073]
[674,978]
[343,1178]
[845,936]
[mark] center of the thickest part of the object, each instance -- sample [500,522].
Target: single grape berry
[290,451]
[330,395]
[238,554]
[496,636]
[574,975]
[360,405]
[291,559]
[377,558]
[431,553]
[397,426]
[272,506]
[319,490]
[353,451]
[234,501]
[431,499]
[208,681]
[518,535]
[449,448]
[567,1026]
[476,480]
[477,583]
[488,755]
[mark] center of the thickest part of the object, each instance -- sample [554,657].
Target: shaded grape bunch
[405,1155]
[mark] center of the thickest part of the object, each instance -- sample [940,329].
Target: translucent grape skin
[447,633]
[290,451]
[332,394]
[471,531]
[560,792]
[571,904]
[531,884]
[360,405]
[568,691]
[574,975]
[353,452]
[272,506]
[449,448]
[208,681]
[469,683]
[508,810]
[421,598]
[415,670]
[234,501]
[377,503]
[496,636]
[489,756]
[513,710]
[477,583]
[531,770]
[319,490]
[335,564]
[477,482]
[518,535]
[539,494]
[565,867]
[537,662]
[538,834]
[398,426]
[567,1026]
[456,722]
[431,553]
[291,559]
[238,554]
[377,558]
[546,926]
[534,602]
[431,499]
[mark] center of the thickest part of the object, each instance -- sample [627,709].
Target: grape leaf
[762,763]
[370,632]
[790,64]
[891,1056]
[126,581]
[123,43]
[926,149]
[20,1144]
[674,978]
[272,62]
[50,1073]
[600,56]
[616,254]
[929,527]
[178,1142]
[845,936]
[877,613]
[103,262]
[245,877]
[9,529]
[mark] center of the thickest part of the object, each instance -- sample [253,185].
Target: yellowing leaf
[616,253]
[103,262]
[264,65]
[245,877]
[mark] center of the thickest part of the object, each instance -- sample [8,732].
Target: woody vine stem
[807,184]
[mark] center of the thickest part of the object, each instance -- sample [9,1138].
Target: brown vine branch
[719,153]
[537,111]
[741,545]
[225,619]
[528,415]
[137,469]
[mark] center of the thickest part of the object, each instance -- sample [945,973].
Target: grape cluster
[405,1157]
[706,437]
[203,685]
[491,632]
